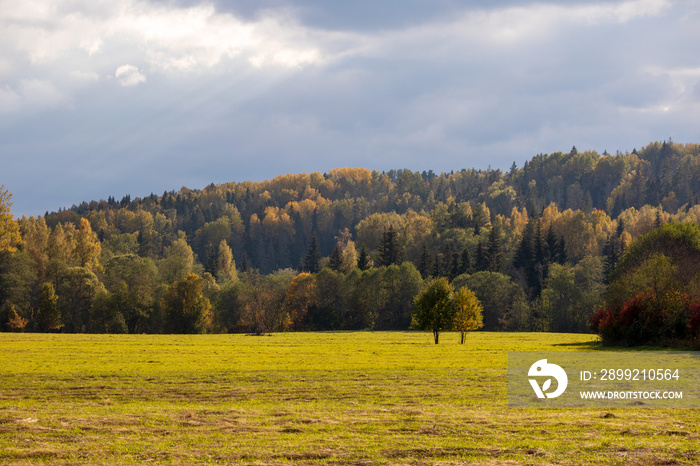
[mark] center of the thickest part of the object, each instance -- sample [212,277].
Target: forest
[348,249]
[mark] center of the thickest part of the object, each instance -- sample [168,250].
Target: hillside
[561,218]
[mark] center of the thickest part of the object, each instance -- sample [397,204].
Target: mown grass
[316,398]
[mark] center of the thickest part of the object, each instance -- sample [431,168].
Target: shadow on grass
[591,345]
[598,345]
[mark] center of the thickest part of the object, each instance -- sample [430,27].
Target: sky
[106,98]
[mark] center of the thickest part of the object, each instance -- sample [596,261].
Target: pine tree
[364,262]
[561,251]
[312,261]
[425,265]
[456,265]
[437,269]
[659,220]
[552,245]
[446,265]
[482,261]
[245,262]
[465,265]
[389,250]
[494,251]
[611,254]
[525,253]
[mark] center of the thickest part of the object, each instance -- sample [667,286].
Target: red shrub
[694,320]
[632,308]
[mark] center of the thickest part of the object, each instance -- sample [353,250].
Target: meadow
[306,398]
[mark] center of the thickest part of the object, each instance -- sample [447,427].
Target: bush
[653,296]
[647,318]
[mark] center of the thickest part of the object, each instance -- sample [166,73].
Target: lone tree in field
[468,312]
[435,309]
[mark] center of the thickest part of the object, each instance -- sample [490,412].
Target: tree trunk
[462,337]
[436,334]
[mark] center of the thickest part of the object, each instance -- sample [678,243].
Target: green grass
[316,398]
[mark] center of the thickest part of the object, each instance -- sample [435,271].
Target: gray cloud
[261,88]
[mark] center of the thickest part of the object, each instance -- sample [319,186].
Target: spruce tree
[611,253]
[456,263]
[425,265]
[494,251]
[389,250]
[446,265]
[525,253]
[552,244]
[482,261]
[312,261]
[659,220]
[363,260]
[336,259]
[465,264]
[245,262]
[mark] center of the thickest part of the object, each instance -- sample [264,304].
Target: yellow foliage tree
[10,237]
[226,266]
[87,247]
[468,312]
[300,297]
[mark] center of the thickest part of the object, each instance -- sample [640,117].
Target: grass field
[306,398]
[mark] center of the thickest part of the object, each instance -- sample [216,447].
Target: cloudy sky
[115,97]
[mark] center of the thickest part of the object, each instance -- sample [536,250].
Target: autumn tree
[178,261]
[15,322]
[467,312]
[435,311]
[87,247]
[299,299]
[59,247]
[225,265]
[10,237]
[344,256]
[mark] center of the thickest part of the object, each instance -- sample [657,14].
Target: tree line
[346,249]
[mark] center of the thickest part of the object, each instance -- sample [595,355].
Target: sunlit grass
[349,397]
